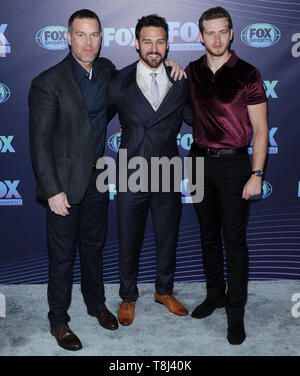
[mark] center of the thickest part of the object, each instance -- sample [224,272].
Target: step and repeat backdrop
[266,34]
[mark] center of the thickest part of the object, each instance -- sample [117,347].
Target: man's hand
[177,72]
[59,204]
[252,187]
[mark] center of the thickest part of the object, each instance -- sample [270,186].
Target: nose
[218,37]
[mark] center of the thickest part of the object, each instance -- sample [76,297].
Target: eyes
[161,42]
[94,35]
[222,32]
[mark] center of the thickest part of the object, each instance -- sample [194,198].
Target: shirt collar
[232,60]
[229,63]
[145,70]
[79,71]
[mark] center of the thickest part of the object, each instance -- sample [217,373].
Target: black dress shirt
[94,91]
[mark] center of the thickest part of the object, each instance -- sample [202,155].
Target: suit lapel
[141,83]
[167,89]
[134,94]
[77,96]
[170,100]
[106,74]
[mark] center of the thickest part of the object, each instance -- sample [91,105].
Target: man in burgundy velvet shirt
[229,105]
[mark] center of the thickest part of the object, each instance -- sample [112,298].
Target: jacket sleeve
[43,107]
[188,116]
[112,108]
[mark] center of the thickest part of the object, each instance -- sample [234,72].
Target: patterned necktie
[154,90]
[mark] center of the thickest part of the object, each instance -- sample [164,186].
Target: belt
[218,153]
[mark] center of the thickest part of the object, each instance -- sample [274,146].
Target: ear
[201,37]
[137,45]
[69,38]
[231,35]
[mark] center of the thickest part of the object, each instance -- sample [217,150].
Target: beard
[220,51]
[85,60]
[153,63]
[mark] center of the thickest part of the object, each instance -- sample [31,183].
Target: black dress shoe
[105,318]
[67,339]
[236,332]
[207,307]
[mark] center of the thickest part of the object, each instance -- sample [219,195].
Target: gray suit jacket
[61,138]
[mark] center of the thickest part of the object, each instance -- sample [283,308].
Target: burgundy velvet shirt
[220,102]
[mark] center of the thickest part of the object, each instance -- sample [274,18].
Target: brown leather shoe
[126,313]
[105,318]
[67,339]
[171,303]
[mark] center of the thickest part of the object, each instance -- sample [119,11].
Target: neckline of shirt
[229,63]
[81,72]
[145,70]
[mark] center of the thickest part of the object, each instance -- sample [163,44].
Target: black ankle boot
[236,332]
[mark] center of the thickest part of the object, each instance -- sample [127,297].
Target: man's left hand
[252,187]
[177,72]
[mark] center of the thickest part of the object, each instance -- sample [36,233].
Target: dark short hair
[151,20]
[213,13]
[82,13]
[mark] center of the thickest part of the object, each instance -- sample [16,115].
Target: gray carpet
[270,325]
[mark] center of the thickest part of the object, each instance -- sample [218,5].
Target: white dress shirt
[143,79]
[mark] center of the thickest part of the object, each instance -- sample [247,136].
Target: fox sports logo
[52,37]
[260,35]
[114,142]
[4,93]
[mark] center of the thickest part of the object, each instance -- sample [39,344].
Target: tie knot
[153,75]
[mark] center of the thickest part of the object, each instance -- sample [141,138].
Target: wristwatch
[257,173]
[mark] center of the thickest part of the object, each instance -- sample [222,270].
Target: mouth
[153,56]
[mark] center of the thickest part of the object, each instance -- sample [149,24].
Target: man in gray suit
[151,107]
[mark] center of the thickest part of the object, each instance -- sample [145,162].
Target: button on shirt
[220,102]
[93,89]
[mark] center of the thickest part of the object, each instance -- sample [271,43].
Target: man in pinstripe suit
[151,107]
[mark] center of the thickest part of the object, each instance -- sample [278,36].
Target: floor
[271,321]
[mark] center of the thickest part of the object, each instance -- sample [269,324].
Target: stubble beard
[83,60]
[219,53]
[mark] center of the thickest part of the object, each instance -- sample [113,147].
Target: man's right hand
[59,204]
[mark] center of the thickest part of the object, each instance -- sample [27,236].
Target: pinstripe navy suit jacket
[145,132]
